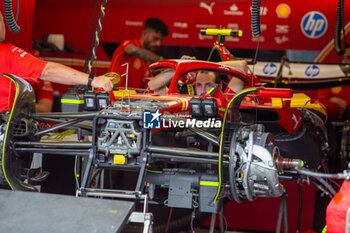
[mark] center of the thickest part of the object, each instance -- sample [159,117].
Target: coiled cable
[97,35]
[339,25]
[255,18]
[10,19]
[91,38]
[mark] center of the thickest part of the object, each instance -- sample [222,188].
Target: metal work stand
[213,219]
[143,217]
[283,211]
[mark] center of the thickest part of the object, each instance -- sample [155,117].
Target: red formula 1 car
[189,151]
[216,123]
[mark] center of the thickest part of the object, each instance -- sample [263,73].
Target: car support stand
[213,220]
[143,217]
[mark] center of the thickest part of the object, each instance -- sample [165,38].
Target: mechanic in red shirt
[139,53]
[43,92]
[336,99]
[14,60]
[43,96]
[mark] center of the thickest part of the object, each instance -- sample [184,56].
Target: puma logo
[208,7]
[294,117]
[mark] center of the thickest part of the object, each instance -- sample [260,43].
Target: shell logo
[137,63]
[336,90]
[283,10]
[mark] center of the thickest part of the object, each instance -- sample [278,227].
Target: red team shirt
[43,90]
[324,95]
[137,67]
[14,60]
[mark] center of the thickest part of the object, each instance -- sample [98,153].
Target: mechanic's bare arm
[338,101]
[142,53]
[43,105]
[161,80]
[241,65]
[58,73]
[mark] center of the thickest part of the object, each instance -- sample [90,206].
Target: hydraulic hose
[328,186]
[255,18]
[10,19]
[320,176]
[307,172]
[339,25]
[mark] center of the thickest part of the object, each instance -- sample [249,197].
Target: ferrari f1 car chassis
[239,160]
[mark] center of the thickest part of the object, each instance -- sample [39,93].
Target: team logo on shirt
[137,63]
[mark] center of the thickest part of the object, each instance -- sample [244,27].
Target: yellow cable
[5,137]
[222,136]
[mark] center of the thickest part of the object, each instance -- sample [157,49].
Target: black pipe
[310,85]
[73,145]
[65,115]
[63,152]
[208,136]
[181,151]
[10,19]
[59,126]
[186,159]
[82,125]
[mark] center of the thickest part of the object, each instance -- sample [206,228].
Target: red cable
[168,224]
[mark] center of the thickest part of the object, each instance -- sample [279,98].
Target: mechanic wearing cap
[139,53]
[16,61]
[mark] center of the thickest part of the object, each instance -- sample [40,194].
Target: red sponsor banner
[289,24]
[285,24]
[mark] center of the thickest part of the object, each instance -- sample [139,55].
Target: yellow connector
[119,159]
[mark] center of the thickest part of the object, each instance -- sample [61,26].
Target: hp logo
[270,69]
[312,71]
[314,24]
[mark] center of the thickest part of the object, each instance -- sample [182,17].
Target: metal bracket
[143,217]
